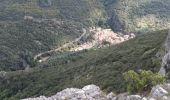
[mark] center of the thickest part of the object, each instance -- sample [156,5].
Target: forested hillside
[21,40]
[31,27]
[103,67]
[61,9]
[28,27]
[138,15]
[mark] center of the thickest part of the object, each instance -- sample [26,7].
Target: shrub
[142,81]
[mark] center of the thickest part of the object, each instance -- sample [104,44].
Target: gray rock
[134,97]
[38,98]
[71,94]
[111,96]
[166,87]
[144,98]
[90,92]
[151,99]
[166,57]
[158,92]
[93,92]
[122,96]
[165,98]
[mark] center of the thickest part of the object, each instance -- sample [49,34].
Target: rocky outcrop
[90,92]
[134,97]
[166,58]
[111,96]
[158,92]
[93,92]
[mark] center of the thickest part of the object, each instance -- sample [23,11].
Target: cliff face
[166,57]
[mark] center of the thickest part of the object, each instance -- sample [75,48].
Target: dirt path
[45,55]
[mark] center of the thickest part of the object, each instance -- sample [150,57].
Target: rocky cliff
[166,57]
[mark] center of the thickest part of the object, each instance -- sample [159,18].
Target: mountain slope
[60,9]
[21,40]
[103,67]
[29,27]
[138,15]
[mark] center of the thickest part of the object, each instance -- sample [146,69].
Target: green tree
[142,81]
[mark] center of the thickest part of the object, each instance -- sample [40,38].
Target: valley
[97,38]
[48,46]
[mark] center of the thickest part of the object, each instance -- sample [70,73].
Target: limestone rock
[90,92]
[151,99]
[38,98]
[144,98]
[158,92]
[134,97]
[122,96]
[71,94]
[111,96]
[166,87]
[93,92]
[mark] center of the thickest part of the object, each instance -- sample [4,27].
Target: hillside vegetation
[61,9]
[103,67]
[137,15]
[29,27]
[21,40]
[121,15]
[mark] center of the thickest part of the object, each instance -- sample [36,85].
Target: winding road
[45,55]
